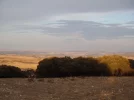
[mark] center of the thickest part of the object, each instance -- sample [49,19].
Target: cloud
[25,10]
[70,36]
[67,24]
[87,29]
[103,17]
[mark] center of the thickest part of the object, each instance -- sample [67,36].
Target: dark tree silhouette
[66,66]
[10,71]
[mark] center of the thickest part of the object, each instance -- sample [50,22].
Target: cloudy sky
[67,25]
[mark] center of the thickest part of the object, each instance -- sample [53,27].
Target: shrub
[115,63]
[131,63]
[130,73]
[48,67]
[10,71]
[90,67]
[29,73]
[66,66]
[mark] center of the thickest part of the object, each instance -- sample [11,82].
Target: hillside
[20,61]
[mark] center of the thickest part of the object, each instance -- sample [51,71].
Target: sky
[67,25]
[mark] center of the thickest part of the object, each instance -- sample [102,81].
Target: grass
[22,62]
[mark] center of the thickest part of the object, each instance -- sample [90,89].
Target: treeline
[112,65]
[66,66]
[10,71]
[7,71]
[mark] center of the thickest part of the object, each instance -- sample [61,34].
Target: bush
[10,71]
[90,67]
[29,73]
[130,73]
[52,67]
[66,66]
[116,63]
[131,63]
[81,66]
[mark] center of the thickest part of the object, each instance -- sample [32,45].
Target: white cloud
[88,16]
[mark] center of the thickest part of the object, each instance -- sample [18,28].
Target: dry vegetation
[22,62]
[26,61]
[73,88]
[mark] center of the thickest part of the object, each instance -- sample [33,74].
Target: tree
[10,71]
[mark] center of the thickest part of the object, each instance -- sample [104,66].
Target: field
[20,61]
[73,88]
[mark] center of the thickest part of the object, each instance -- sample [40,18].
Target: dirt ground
[73,88]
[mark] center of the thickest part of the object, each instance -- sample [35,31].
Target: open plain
[21,61]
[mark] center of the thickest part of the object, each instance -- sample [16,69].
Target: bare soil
[73,88]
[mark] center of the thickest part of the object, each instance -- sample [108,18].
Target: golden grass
[22,62]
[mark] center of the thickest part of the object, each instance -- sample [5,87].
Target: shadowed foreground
[88,88]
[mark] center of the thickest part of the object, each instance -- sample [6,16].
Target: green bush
[10,71]
[66,66]
[47,67]
[90,66]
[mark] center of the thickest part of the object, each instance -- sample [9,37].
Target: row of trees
[66,66]
[80,66]
[7,71]
[10,71]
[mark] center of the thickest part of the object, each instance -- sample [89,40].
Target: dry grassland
[20,61]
